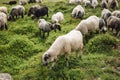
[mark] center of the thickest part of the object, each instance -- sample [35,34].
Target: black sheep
[40,12]
[10,2]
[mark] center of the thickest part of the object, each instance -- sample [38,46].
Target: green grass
[21,48]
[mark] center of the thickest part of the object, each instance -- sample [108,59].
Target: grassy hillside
[21,48]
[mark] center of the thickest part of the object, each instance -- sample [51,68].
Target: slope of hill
[21,48]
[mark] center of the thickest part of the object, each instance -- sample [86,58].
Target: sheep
[5,76]
[3,9]
[114,23]
[105,14]
[94,3]
[75,1]
[63,45]
[41,12]
[34,1]
[116,13]
[33,9]
[113,4]
[58,17]
[86,2]
[44,26]
[18,10]
[23,2]
[10,2]
[91,24]
[56,26]
[78,12]
[39,1]
[3,21]
[104,4]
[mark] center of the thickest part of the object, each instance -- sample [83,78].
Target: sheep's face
[46,59]
[104,29]
[11,18]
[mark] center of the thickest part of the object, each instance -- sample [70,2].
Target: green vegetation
[21,48]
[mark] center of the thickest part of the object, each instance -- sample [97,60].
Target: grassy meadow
[21,48]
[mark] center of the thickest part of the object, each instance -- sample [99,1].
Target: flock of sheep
[72,41]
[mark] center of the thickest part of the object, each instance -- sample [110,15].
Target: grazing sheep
[114,23]
[3,9]
[39,1]
[5,76]
[63,45]
[58,17]
[10,2]
[23,2]
[113,4]
[94,3]
[78,12]
[44,26]
[33,9]
[91,24]
[86,3]
[75,1]
[16,11]
[40,12]
[104,4]
[3,21]
[56,26]
[34,1]
[105,14]
[116,13]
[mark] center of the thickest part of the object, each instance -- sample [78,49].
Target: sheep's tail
[5,3]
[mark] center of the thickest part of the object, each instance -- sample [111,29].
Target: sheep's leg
[53,64]
[43,34]
[67,58]
[6,27]
[2,28]
[22,15]
[76,54]
[47,33]
[59,28]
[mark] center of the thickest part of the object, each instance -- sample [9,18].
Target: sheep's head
[102,26]
[46,59]
[10,17]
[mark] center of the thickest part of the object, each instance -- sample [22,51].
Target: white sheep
[3,21]
[94,3]
[116,13]
[44,26]
[23,2]
[105,14]
[5,76]
[3,9]
[86,2]
[78,12]
[90,24]
[63,45]
[39,1]
[75,1]
[58,17]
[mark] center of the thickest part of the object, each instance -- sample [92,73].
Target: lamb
[3,21]
[63,45]
[44,26]
[116,13]
[75,1]
[91,24]
[94,3]
[114,23]
[40,12]
[104,4]
[113,4]
[5,76]
[23,2]
[86,2]
[10,2]
[33,9]
[58,17]
[105,14]
[78,12]
[3,9]
[18,10]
